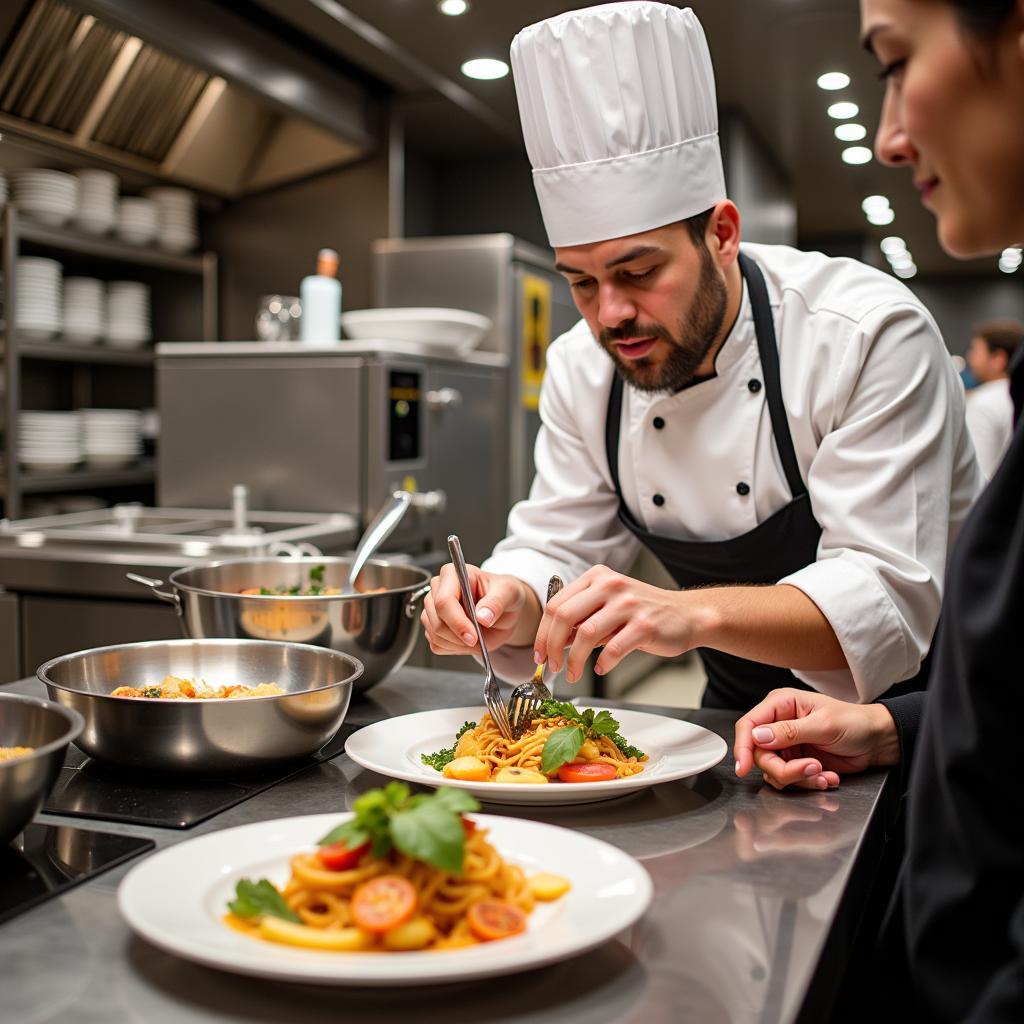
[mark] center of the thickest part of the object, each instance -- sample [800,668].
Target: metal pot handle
[414,599]
[171,597]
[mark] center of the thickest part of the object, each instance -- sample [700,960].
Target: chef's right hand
[507,609]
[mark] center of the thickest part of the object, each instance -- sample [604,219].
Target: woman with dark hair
[954,116]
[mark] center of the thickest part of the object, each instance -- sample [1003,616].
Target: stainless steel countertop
[755,896]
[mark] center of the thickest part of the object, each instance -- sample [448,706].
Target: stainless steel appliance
[338,428]
[504,278]
[63,577]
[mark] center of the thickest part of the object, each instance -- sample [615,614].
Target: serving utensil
[492,695]
[527,697]
[383,525]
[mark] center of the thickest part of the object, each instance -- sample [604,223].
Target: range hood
[185,91]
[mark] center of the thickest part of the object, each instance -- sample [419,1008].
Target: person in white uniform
[989,406]
[784,430]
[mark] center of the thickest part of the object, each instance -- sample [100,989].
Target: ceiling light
[892,245]
[901,261]
[843,111]
[1013,253]
[880,218]
[1008,268]
[851,132]
[872,203]
[856,155]
[833,80]
[452,7]
[485,68]
[905,272]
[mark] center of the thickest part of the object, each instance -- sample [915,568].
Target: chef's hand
[605,608]
[506,608]
[802,738]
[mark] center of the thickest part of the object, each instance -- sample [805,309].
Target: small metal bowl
[25,782]
[209,736]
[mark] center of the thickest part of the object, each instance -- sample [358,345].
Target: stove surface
[46,860]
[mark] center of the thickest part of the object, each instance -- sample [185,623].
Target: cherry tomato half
[492,919]
[468,826]
[383,903]
[589,771]
[338,857]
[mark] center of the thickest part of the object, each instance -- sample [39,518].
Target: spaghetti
[325,901]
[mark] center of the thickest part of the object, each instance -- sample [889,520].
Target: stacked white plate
[128,315]
[39,301]
[177,210]
[84,310]
[50,197]
[138,220]
[49,441]
[97,201]
[111,437]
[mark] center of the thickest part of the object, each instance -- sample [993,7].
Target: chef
[784,431]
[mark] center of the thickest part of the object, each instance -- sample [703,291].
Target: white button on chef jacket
[876,412]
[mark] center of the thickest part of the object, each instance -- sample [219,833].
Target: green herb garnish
[564,744]
[316,574]
[426,827]
[260,899]
[442,757]
[267,592]
[152,691]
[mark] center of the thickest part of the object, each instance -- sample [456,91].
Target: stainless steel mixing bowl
[379,629]
[26,781]
[211,736]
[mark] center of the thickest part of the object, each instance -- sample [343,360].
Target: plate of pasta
[405,890]
[568,755]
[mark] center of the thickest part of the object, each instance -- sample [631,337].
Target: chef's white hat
[618,110]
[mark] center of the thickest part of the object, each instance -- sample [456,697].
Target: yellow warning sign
[536,337]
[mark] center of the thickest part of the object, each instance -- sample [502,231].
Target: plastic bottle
[320,294]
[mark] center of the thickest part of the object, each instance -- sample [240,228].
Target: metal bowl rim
[76,723]
[354,663]
[303,560]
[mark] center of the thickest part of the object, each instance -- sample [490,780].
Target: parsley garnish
[440,758]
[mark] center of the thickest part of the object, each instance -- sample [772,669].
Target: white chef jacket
[876,412]
[990,422]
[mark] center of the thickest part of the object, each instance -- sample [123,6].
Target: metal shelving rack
[16,233]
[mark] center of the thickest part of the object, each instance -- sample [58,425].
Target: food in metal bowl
[173,688]
[10,753]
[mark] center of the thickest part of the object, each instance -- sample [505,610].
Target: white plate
[427,326]
[176,900]
[676,750]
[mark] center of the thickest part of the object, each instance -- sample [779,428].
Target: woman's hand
[803,738]
[506,608]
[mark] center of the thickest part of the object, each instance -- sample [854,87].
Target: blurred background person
[989,406]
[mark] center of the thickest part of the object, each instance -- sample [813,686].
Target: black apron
[784,543]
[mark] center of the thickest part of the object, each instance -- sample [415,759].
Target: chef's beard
[696,333]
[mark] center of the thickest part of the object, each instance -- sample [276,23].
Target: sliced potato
[415,934]
[467,769]
[348,940]
[546,887]
[526,775]
[588,752]
[468,745]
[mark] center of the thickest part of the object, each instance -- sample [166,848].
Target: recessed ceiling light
[485,68]
[905,272]
[881,217]
[452,7]
[851,132]
[856,155]
[833,80]
[874,203]
[843,111]
[1008,268]
[1013,253]
[901,261]
[892,245]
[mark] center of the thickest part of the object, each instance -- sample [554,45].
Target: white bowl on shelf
[427,326]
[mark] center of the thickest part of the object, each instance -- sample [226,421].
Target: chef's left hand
[605,608]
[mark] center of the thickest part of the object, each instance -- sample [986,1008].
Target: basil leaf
[604,724]
[458,801]
[350,834]
[561,747]
[260,899]
[432,833]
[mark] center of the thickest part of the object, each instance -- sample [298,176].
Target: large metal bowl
[211,736]
[25,782]
[379,629]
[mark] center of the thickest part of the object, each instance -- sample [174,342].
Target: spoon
[377,532]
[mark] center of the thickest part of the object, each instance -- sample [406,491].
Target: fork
[526,698]
[492,695]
